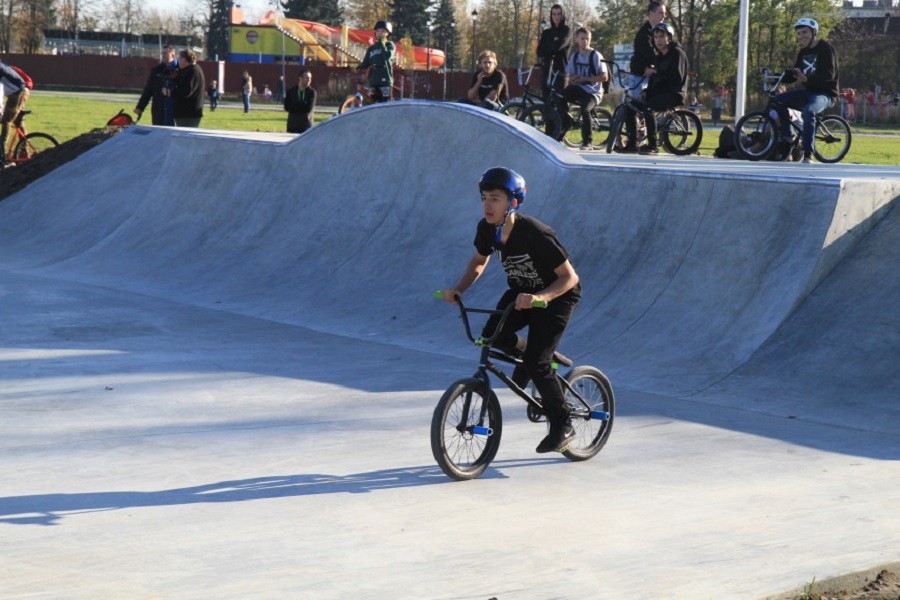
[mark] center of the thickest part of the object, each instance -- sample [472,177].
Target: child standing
[537,269]
[378,60]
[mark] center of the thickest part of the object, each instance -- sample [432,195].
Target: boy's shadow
[49,509]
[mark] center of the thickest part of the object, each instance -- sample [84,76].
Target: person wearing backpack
[15,89]
[587,73]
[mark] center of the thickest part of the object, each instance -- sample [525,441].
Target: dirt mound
[16,178]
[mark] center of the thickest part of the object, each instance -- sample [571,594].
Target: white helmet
[807,22]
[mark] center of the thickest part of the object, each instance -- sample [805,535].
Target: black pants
[547,79]
[586,101]
[654,104]
[545,329]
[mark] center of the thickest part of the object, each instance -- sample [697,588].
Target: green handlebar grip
[539,304]
[439,294]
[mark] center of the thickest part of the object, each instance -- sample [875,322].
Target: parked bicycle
[679,130]
[757,133]
[22,145]
[467,423]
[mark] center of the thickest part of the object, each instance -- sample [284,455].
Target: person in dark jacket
[162,77]
[666,89]
[644,57]
[300,104]
[816,70]
[553,50]
[188,91]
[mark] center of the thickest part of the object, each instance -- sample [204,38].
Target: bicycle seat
[24,112]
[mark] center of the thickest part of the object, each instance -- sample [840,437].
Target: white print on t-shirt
[521,272]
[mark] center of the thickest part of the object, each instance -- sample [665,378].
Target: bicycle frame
[485,365]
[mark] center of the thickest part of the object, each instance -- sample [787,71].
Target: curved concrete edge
[832,585]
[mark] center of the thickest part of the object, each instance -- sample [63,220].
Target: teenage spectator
[16,93]
[666,88]
[488,88]
[246,90]
[300,104]
[379,60]
[719,101]
[161,79]
[816,70]
[188,91]
[280,89]
[645,53]
[586,72]
[553,50]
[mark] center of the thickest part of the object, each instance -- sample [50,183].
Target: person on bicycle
[553,50]
[644,57]
[537,268]
[16,93]
[816,70]
[488,88]
[162,78]
[666,89]
[379,60]
[587,72]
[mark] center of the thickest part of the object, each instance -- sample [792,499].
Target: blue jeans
[246,98]
[809,104]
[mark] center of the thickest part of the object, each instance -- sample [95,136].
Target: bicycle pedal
[535,415]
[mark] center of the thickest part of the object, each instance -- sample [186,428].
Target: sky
[253,9]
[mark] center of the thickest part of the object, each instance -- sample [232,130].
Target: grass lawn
[67,116]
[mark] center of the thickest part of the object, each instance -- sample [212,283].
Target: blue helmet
[501,178]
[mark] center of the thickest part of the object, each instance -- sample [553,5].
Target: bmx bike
[467,423]
[364,96]
[23,146]
[757,133]
[546,117]
[679,130]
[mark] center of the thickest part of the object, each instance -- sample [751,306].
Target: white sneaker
[807,160]
[586,147]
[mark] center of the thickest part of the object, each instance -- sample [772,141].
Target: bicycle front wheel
[832,139]
[351,103]
[615,129]
[755,136]
[543,118]
[466,429]
[34,143]
[514,109]
[682,133]
[600,126]
[594,423]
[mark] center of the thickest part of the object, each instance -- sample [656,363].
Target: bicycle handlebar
[463,312]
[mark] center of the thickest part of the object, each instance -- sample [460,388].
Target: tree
[328,12]
[410,19]
[363,14]
[217,26]
[35,16]
[125,16]
[8,11]
[445,35]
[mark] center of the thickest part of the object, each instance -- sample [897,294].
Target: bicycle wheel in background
[466,429]
[601,120]
[514,109]
[591,433]
[832,139]
[34,143]
[681,133]
[543,118]
[755,136]
[616,129]
[352,102]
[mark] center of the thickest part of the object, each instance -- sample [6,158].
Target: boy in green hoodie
[378,60]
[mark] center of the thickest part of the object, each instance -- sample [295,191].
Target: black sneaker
[627,149]
[649,150]
[557,440]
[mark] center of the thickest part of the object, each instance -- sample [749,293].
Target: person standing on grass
[162,76]
[188,91]
[300,104]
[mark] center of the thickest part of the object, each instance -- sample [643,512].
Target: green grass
[67,116]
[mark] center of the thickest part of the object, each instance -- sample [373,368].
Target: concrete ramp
[349,227]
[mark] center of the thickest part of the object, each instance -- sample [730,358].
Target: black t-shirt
[529,256]
[490,83]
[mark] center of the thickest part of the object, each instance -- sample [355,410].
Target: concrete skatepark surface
[220,358]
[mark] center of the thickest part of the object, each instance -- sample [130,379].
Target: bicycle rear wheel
[601,120]
[34,143]
[832,139]
[350,103]
[543,118]
[592,428]
[514,109]
[682,132]
[755,136]
[466,429]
